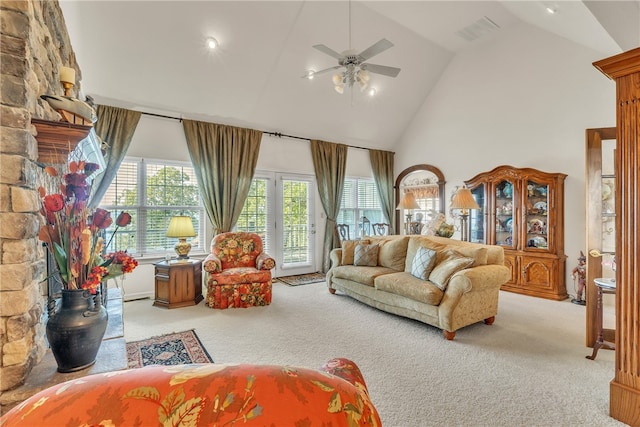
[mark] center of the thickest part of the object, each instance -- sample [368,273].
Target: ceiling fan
[355,68]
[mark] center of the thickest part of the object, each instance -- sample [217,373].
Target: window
[360,206]
[152,191]
[256,214]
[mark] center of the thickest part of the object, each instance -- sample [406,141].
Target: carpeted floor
[302,279]
[527,369]
[170,349]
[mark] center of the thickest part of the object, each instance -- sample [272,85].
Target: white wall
[163,139]
[524,101]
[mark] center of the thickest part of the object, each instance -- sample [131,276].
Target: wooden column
[625,387]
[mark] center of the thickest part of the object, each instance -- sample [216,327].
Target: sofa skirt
[241,295]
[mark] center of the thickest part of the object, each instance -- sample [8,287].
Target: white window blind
[153,191]
[257,212]
[359,201]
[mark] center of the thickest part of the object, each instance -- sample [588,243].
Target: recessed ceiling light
[551,10]
[212,43]
[372,91]
[311,74]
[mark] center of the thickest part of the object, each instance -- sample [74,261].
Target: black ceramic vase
[75,330]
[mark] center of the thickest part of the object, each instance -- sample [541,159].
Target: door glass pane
[476,216]
[255,215]
[537,204]
[296,220]
[504,214]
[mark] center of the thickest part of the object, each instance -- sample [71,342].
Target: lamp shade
[180,227]
[463,199]
[408,202]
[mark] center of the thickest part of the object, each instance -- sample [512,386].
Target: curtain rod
[276,134]
[281,135]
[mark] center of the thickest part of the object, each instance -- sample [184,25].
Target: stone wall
[34,44]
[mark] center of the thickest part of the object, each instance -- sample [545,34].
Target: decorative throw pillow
[423,263]
[450,262]
[348,248]
[366,255]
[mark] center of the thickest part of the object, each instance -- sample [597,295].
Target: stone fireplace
[34,44]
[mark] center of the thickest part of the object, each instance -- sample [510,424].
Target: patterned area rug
[302,279]
[171,349]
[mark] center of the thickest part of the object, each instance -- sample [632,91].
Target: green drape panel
[329,162]
[224,159]
[382,166]
[115,127]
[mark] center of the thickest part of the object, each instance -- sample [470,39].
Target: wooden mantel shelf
[57,139]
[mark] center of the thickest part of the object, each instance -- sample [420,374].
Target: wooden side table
[178,283]
[606,337]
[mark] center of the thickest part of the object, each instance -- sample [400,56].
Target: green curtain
[382,166]
[329,162]
[224,159]
[115,127]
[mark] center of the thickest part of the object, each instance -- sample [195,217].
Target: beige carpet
[528,369]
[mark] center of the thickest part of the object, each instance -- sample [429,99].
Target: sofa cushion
[405,284]
[482,254]
[478,253]
[365,255]
[449,262]
[419,241]
[423,263]
[348,250]
[392,252]
[364,275]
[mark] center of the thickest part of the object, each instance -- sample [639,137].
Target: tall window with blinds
[153,191]
[360,207]
[257,213]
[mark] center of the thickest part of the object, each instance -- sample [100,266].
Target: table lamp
[181,227]
[463,200]
[408,203]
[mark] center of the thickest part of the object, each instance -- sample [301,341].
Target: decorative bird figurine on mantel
[72,110]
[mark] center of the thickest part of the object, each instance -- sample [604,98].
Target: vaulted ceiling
[151,56]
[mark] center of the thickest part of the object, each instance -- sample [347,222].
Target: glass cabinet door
[477,216]
[536,215]
[504,226]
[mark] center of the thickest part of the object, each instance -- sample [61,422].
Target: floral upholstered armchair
[205,395]
[238,271]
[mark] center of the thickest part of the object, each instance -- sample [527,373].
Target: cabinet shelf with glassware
[522,210]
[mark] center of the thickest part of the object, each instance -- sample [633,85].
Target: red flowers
[72,231]
[123,259]
[101,219]
[123,219]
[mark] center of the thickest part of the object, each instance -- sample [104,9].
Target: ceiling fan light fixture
[339,88]
[337,79]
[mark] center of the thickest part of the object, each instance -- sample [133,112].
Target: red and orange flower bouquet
[73,231]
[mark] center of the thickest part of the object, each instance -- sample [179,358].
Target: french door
[280,208]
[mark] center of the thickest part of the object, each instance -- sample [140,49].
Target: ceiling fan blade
[381,69]
[375,49]
[324,49]
[306,76]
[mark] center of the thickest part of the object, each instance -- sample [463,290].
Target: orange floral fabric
[239,296]
[205,395]
[239,272]
[237,249]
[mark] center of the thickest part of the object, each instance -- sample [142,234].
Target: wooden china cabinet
[522,210]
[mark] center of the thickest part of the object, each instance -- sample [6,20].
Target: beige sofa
[462,287]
